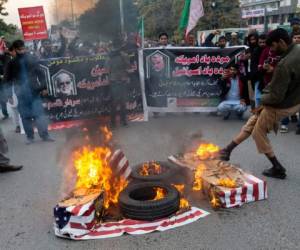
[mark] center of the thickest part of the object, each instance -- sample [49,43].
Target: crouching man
[281,98]
[233,94]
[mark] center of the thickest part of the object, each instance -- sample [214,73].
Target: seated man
[233,94]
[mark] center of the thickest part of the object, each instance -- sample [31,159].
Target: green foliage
[9,31]
[164,16]
[103,21]
[2,8]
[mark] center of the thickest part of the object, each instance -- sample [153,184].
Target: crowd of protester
[241,84]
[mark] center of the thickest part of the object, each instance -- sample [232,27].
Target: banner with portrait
[79,88]
[179,79]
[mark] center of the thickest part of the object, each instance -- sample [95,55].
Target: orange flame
[107,133]
[160,193]
[207,151]
[215,202]
[94,172]
[150,168]
[198,177]
[183,202]
[227,182]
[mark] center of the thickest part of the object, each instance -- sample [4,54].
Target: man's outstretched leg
[267,121]
[245,133]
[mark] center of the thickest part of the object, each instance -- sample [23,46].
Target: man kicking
[281,98]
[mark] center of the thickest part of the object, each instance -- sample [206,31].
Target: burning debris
[107,189]
[150,168]
[224,184]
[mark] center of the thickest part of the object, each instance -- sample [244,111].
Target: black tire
[169,173]
[136,201]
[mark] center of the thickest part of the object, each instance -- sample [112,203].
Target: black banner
[79,88]
[185,78]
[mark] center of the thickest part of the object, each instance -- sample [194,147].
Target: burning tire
[140,202]
[155,171]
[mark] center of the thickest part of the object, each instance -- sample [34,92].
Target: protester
[29,82]
[163,40]
[234,39]
[3,95]
[257,76]
[191,41]
[286,121]
[252,64]
[4,161]
[47,50]
[221,41]
[118,66]
[13,102]
[295,25]
[279,99]
[233,94]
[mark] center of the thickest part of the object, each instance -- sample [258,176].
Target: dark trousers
[118,98]
[31,111]
[4,108]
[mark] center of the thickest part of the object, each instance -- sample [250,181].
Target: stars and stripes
[133,227]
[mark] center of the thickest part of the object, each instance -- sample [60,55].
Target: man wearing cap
[279,99]
[234,41]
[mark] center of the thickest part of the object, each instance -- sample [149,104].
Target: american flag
[81,217]
[78,222]
[254,189]
[79,231]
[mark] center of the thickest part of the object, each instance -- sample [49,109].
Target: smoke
[65,9]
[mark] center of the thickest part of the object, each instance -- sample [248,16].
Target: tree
[2,8]
[160,16]
[9,31]
[104,20]
[164,15]
[223,14]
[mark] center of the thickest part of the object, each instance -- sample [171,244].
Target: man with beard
[279,99]
[29,85]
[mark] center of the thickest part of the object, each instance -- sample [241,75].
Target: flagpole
[122,17]
[143,33]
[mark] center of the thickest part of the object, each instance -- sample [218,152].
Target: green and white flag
[192,12]
[141,33]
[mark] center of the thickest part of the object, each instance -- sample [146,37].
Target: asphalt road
[27,197]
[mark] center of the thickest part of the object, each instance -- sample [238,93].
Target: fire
[227,182]
[183,202]
[207,151]
[107,133]
[150,168]
[94,172]
[160,193]
[215,202]
[198,177]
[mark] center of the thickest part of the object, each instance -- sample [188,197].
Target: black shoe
[18,130]
[29,141]
[124,123]
[275,173]
[9,168]
[298,131]
[224,155]
[226,117]
[294,119]
[48,139]
[112,125]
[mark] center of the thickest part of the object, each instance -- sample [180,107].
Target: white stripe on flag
[196,12]
[261,186]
